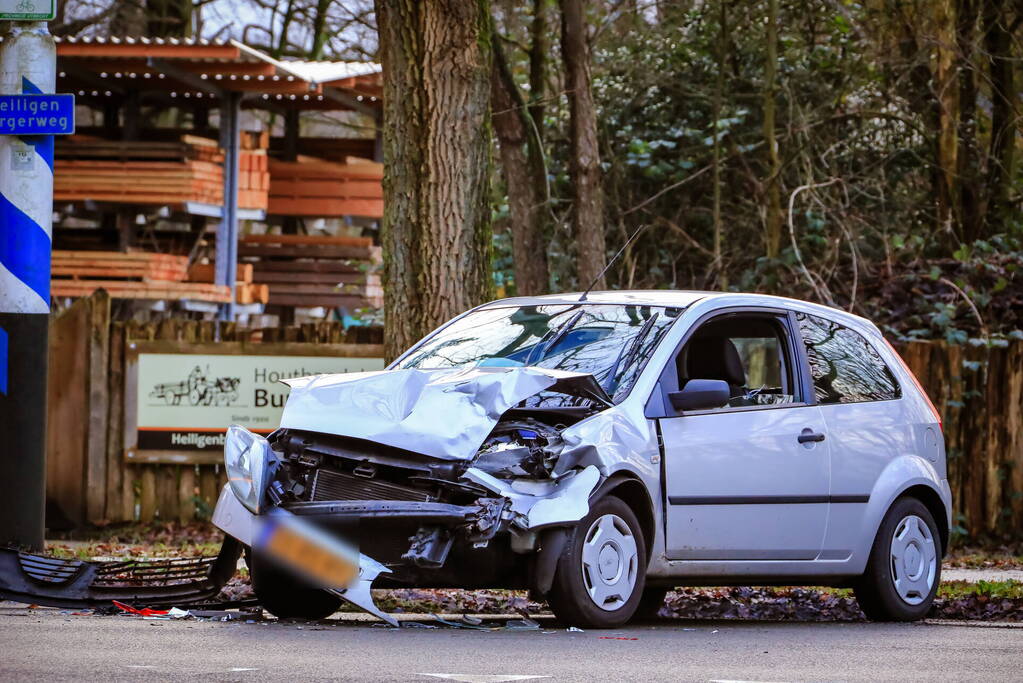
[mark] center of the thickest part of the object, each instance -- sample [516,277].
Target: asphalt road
[49,645]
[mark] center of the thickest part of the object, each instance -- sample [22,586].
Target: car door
[749,480]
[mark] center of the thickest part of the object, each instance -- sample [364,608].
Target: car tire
[285,595]
[603,559]
[904,567]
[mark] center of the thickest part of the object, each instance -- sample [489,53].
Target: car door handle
[810,437]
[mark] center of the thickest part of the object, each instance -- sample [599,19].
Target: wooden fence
[977,389]
[88,480]
[979,392]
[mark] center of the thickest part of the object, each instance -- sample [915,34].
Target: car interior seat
[715,357]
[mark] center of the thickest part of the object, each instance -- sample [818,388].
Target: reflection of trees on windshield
[592,343]
[534,323]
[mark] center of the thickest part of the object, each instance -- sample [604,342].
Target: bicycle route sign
[28,10]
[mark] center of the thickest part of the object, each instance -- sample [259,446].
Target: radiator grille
[331,485]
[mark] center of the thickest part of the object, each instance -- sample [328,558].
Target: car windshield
[609,341]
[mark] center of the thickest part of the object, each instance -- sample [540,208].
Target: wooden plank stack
[128,276]
[138,182]
[157,172]
[331,149]
[246,292]
[185,148]
[253,180]
[313,187]
[312,270]
[253,171]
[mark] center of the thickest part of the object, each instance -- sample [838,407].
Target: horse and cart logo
[198,390]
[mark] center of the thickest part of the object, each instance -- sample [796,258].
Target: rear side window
[844,365]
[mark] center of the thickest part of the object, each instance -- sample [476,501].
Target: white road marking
[726,680]
[485,678]
[241,668]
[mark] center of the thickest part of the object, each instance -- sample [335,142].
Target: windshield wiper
[626,359]
[558,335]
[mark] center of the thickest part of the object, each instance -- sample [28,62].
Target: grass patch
[88,550]
[953,590]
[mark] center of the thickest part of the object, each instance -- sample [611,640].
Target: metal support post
[378,137]
[227,231]
[27,66]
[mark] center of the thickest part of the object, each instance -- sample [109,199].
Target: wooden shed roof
[98,68]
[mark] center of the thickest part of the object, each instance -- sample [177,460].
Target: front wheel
[904,568]
[602,571]
[285,595]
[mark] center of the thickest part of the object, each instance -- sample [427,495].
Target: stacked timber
[246,291]
[311,270]
[313,187]
[138,182]
[253,170]
[185,148]
[189,169]
[253,179]
[137,275]
[331,149]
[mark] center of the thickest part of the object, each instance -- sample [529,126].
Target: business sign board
[37,114]
[28,10]
[181,398]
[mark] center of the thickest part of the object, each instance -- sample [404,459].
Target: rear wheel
[904,568]
[285,595]
[602,571]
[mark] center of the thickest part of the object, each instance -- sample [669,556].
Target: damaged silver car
[597,451]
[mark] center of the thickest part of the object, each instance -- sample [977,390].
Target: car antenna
[614,258]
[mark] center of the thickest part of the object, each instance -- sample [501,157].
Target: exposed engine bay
[443,509]
[440,478]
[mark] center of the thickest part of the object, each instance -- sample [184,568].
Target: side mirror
[700,394]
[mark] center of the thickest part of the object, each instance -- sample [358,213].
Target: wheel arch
[934,504]
[631,490]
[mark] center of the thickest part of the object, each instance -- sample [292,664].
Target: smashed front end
[440,478]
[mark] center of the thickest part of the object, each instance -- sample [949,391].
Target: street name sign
[37,114]
[28,10]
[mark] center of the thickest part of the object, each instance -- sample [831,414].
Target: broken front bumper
[57,582]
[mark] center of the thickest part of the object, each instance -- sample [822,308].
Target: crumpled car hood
[444,413]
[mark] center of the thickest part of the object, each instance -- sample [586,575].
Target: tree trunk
[128,19]
[282,40]
[320,29]
[538,64]
[436,230]
[584,154]
[947,96]
[1001,153]
[169,18]
[535,152]
[773,217]
[525,206]
[969,219]
[720,276]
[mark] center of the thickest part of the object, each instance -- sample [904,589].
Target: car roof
[686,298]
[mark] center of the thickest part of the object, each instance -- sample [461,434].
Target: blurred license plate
[323,565]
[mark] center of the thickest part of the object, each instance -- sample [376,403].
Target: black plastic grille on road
[49,569]
[331,485]
[165,572]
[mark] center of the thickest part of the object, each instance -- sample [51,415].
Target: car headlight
[251,464]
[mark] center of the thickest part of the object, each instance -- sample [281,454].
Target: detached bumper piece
[55,582]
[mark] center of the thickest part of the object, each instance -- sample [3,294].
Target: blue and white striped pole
[27,66]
